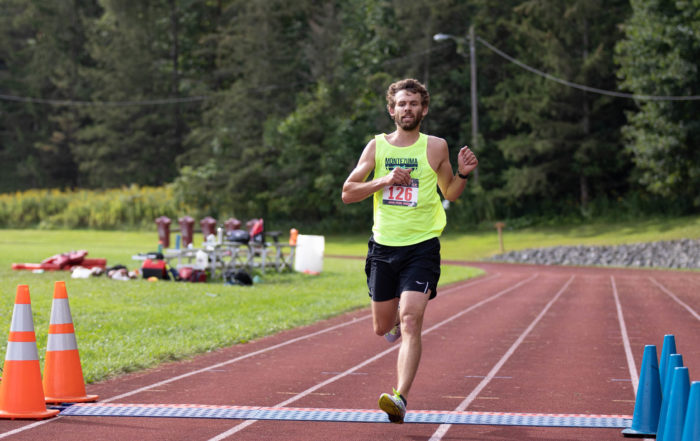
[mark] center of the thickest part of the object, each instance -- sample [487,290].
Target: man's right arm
[355,188]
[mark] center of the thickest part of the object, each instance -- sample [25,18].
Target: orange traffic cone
[21,394]
[63,374]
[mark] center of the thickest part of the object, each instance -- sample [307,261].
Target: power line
[581,86]
[103,103]
[167,101]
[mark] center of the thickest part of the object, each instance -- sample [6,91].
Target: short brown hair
[410,85]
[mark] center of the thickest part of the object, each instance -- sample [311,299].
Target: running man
[403,258]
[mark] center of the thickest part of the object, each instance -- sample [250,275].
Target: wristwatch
[461,175]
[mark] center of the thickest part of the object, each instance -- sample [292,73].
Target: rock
[683,253]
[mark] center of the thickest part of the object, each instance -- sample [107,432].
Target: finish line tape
[344,415]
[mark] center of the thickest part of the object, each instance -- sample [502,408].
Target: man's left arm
[452,185]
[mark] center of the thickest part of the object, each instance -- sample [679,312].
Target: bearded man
[403,258]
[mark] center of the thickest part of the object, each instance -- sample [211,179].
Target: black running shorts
[393,270]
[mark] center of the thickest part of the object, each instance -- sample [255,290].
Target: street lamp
[472,69]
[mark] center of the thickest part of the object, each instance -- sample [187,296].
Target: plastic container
[308,257]
[208,225]
[186,229]
[163,224]
[232,224]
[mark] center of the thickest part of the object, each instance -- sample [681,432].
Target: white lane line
[443,428]
[455,287]
[253,354]
[625,338]
[634,376]
[234,360]
[674,297]
[237,428]
[29,426]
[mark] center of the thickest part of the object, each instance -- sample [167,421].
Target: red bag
[257,231]
[154,268]
[66,260]
[188,274]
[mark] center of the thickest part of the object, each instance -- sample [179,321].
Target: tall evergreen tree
[325,134]
[137,48]
[659,56]
[42,56]
[560,142]
[65,53]
[16,120]
[258,71]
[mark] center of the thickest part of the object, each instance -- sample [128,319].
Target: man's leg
[384,315]
[412,310]
[413,305]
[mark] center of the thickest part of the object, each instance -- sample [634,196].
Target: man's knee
[384,316]
[411,323]
[412,311]
[382,328]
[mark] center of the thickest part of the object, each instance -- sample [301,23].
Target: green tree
[559,143]
[258,72]
[324,135]
[16,118]
[658,56]
[269,103]
[42,51]
[142,53]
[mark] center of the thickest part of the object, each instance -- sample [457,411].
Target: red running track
[521,339]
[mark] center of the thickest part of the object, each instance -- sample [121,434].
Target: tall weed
[124,208]
[23,209]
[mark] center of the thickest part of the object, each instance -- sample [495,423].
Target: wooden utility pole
[499,226]
[475,113]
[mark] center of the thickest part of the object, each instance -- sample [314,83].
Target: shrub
[124,208]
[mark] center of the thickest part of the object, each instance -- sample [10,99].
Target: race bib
[406,196]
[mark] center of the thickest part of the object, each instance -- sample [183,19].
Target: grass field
[482,244]
[126,326]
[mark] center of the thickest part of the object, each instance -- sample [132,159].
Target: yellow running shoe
[394,406]
[394,334]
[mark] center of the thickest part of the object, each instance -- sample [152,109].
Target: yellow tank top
[411,214]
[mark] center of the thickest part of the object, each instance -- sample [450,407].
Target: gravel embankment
[684,253]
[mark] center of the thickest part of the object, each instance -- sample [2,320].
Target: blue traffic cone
[680,387]
[674,361]
[647,404]
[691,428]
[668,348]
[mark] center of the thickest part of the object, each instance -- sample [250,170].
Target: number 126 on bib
[406,196]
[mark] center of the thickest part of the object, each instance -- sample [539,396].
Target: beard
[408,125]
